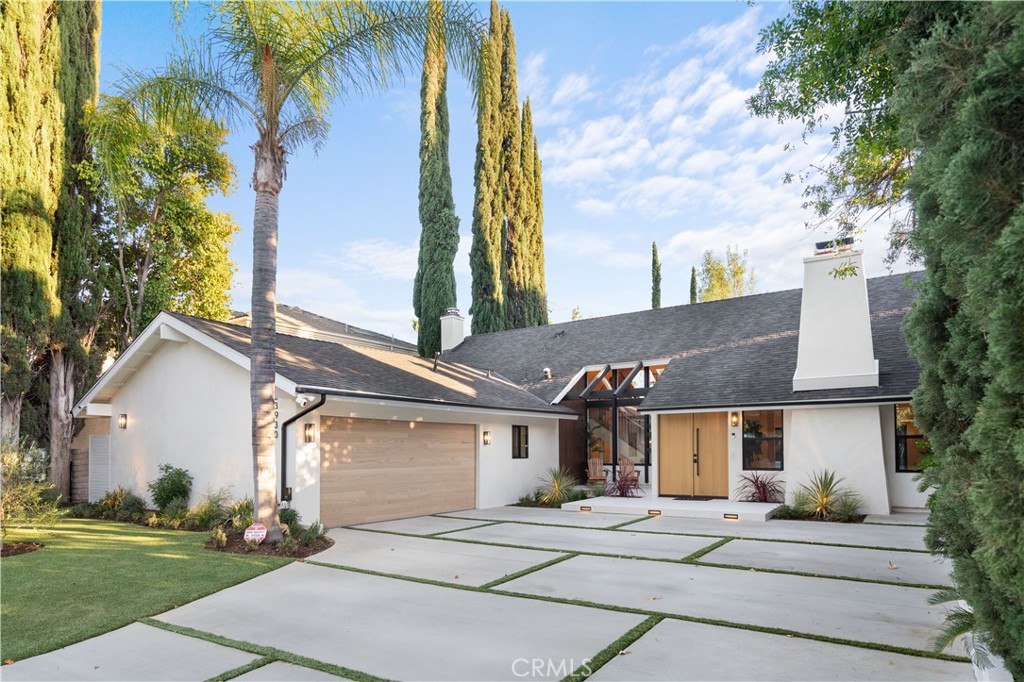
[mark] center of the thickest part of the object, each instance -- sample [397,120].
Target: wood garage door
[374,470]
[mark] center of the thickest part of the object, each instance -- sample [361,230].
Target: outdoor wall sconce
[122,421]
[309,433]
[487,437]
[734,419]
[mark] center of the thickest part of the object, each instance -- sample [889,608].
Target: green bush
[212,510]
[219,537]
[241,513]
[25,501]
[172,484]
[290,518]
[311,534]
[288,545]
[174,515]
[825,498]
[85,510]
[530,499]
[111,504]
[558,487]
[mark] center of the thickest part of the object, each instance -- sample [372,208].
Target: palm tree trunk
[264,348]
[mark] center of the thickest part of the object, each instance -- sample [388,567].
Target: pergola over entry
[608,395]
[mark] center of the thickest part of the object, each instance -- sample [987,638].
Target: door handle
[696,455]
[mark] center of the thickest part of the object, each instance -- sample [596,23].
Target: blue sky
[639,109]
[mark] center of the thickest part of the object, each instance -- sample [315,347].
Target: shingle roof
[740,351]
[312,325]
[376,372]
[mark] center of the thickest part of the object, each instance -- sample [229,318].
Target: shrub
[311,534]
[760,486]
[173,483]
[212,510]
[290,517]
[530,499]
[24,498]
[288,545]
[596,490]
[825,498]
[110,505]
[786,513]
[251,546]
[175,513]
[558,487]
[85,510]
[241,513]
[218,537]
[622,487]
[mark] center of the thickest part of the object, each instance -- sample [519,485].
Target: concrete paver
[900,537]
[453,562]
[400,629]
[842,609]
[677,650]
[279,671]
[854,562]
[588,540]
[135,652]
[422,525]
[907,518]
[539,515]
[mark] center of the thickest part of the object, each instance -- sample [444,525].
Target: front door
[693,454]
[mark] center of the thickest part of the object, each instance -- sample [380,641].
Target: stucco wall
[501,480]
[847,440]
[902,486]
[189,407]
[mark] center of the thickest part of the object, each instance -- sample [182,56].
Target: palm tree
[278,67]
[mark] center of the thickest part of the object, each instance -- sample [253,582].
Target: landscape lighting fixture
[731,517]
[654,512]
[584,508]
[122,421]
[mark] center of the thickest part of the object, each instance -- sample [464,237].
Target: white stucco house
[785,382]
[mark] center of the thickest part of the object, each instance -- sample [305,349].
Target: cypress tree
[32,146]
[511,174]
[434,288]
[693,284]
[78,284]
[538,235]
[486,256]
[521,250]
[655,277]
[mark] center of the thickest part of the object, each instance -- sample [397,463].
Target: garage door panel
[373,470]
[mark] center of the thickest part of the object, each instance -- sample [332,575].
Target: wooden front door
[693,454]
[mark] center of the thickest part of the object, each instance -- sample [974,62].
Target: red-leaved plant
[622,487]
[760,486]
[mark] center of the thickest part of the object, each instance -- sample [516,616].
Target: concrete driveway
[530,594]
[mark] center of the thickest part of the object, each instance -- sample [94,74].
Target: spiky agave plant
[558,487]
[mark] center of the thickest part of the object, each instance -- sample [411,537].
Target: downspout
[286,491]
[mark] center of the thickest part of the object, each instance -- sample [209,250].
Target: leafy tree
[515,241]
[724,278]
[278,68]
[655,277]
[847,56]
[168,250]
[693,285]
[434,288]
[577,314]
[487,254]
[961,104]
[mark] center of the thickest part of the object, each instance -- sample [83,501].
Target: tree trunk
[10,417]
[62,399]
[263,355]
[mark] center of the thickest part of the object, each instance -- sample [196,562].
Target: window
[762,440]
[520,442]
[910,448]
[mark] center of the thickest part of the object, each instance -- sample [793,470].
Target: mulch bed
[16,548]
[236,545]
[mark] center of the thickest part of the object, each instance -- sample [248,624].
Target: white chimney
[453,329]
[835,348]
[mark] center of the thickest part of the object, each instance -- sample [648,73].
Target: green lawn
[96,576]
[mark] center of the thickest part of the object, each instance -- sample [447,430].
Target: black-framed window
[762,440]
[520,442]
[909,440]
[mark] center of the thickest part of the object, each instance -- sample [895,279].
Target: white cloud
[574,87]
[380,257]
[532,80]
[595,207]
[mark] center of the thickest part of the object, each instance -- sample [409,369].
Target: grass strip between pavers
[612,650]
[626,523]
[527,571]
[805,574]
[876,646]
[266,652]
[692,558]
[456,530]
[242,669]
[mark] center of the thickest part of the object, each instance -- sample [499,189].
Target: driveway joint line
[265,651]
[527,571]
[876,646]
[692,558]
[456,530]
[605,655]
[805,574]
[627,523]
[242,669]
